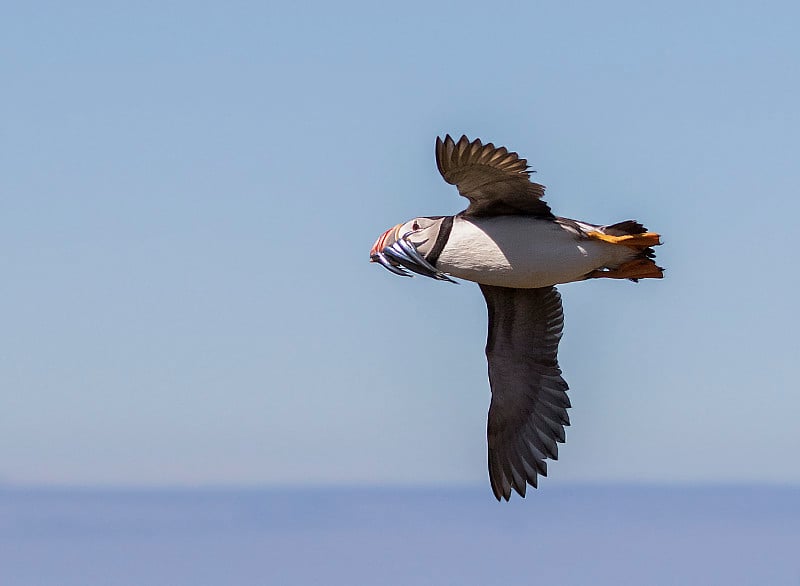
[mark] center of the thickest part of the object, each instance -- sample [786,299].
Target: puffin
[510,243]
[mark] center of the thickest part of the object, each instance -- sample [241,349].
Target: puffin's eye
[415,226]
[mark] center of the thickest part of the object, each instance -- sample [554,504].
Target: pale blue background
[189,191]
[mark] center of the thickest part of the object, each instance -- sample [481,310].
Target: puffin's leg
[636,240]
[638,268]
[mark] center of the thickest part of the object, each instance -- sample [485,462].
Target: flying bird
[510,243]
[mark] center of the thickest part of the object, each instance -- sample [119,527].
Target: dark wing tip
[445,150]
[452,155]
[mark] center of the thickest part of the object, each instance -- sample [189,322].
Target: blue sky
[189,191]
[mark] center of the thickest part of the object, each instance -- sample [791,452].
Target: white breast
[523,252]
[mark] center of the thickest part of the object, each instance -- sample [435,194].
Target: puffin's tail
[632,234]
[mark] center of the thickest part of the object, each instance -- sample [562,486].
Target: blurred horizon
[551,484]
[569,536]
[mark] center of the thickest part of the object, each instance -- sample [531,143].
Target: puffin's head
[405,246]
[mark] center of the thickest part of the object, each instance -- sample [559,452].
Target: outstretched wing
[529,404]
[495,181]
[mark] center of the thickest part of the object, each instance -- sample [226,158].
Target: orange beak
[386,239]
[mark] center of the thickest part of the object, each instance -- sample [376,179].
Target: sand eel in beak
[510,243]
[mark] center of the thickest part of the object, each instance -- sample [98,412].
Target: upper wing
[495,181]
[529,404]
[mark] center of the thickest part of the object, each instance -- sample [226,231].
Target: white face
[420,233]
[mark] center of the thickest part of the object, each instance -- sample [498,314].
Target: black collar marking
[441,240]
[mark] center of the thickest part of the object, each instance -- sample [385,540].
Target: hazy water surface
[564,535]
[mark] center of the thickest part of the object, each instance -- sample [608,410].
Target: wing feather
[494,180]
[529,404]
